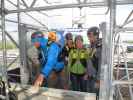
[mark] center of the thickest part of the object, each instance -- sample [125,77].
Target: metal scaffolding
[111,86]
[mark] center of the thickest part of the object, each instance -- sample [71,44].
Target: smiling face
[79,42]
[92,38]
[69,40]
[69,43]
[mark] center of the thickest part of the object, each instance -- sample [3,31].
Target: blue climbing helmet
[39,37]
[37,34]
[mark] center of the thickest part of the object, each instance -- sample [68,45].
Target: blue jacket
[52,62]
[50,55]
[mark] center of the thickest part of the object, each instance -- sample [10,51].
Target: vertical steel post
[4,67]
[104,77]
[18,18]
[106,84]
[111,44]
[22,49]
[23,54]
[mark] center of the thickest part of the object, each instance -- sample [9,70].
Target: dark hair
[78,37]
[95,30]
[69,36]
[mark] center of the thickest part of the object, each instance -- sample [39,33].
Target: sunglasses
[37,36]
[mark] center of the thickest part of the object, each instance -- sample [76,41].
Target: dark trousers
[78,83]
[91,85]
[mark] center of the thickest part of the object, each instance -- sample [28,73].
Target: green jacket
[78,61]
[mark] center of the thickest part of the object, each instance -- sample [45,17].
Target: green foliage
[9,45]
[128,41]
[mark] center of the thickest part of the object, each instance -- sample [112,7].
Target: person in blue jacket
[50,49]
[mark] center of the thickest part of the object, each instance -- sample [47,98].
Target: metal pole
[104,86]
[36,20]
[111,44]
[53,7]
[128,77]
[127,18]
[9,65]
[19,26]
[30,15]
[34,26]
[22,49]
[4,67]
[118,67]
[24,3]
[10,37]
[33,3]
[120,93]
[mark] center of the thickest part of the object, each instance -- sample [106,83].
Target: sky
[63,18]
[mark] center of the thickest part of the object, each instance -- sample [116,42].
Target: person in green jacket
[78,65]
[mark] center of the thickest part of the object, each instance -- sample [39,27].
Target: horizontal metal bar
[130,69]
[118,82]
[126,76]
[14,75]
[68,6]
[33,26]
[27,13]
[125,86]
